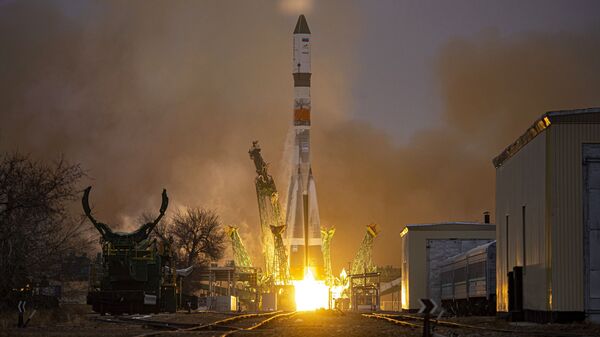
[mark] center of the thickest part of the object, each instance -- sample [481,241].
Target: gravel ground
[301,324]
[78,321]
[525,328]
[327,323]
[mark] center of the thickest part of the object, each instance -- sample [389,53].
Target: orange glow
[311,294]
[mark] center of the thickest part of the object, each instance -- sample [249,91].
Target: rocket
[304,228]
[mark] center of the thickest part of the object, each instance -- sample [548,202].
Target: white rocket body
[304,235]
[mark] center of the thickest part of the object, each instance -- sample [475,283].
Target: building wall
[414,257]
[566,212]
[390,302]
[404,291]
[521,181]
[546,177]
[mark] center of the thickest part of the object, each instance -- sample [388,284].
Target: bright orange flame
[311,294]
[341,284]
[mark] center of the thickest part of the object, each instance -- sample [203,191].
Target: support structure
[241,258]
[363,262]
[326,236]
[272,225]
[281,274]
[268,206]
[365,291]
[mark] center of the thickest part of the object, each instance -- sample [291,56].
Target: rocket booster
[304,236]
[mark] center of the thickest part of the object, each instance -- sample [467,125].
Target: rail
[175,327]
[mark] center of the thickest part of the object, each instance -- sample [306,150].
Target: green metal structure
[134,274]
[363,262]
[326,236]
[241,258]
[281,274]
[270,216]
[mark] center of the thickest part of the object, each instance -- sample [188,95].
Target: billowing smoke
[294,7]
[493,88]
[156,94]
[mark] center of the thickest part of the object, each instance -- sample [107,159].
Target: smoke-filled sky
[411,101]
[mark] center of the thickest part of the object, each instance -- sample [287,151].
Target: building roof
[301,26]
[577,116]
[449,226]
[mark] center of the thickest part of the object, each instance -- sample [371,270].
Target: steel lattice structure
[265,188]
[276,262]
[326,236]
[362,262]
[281,274]
[241,258]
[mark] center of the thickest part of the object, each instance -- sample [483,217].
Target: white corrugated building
[425,246]
[548,216]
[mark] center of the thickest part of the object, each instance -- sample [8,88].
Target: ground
[78,320]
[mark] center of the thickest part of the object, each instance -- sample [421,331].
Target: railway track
[443,328]
[260,323]
[229,325]
[146,322]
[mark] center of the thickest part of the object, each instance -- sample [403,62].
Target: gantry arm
[101,227]
[144,231]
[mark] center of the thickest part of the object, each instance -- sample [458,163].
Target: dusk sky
[411,101]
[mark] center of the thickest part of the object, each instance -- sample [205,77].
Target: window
[446,277]
[460,274]
[477,270]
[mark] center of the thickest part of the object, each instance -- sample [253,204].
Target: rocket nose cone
[301,26]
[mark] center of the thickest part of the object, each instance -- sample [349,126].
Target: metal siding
[581,118]
[491,272]
[460,290]
[549,177]
[477,288]
[501,279]
[591,234]
[416,266]
[521,181]
[567,213]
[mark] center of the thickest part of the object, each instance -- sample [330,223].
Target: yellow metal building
[425,246]
[548,216]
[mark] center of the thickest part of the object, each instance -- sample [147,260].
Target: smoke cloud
[152,95]
[294,7]
[493,88]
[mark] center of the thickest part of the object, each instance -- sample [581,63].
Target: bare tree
[160,232]
[198,236]
[36,228]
